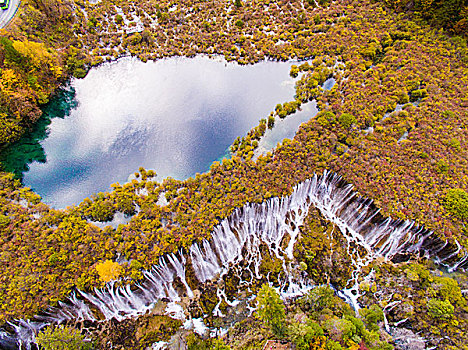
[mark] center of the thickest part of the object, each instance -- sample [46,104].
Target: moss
[270,264]
[208,298]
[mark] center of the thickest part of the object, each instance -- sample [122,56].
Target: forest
[394,125]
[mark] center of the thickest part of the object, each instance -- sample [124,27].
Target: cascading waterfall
[239,237]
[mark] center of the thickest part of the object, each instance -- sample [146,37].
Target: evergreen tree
[271,309]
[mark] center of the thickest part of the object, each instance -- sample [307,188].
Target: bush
[326,118]
[218,344]
[440,309]
[442,167]
[239,24]
[333,345]
[371,316]
[118,19]
[318,299]
[62,338]
[294,71]
[417,94]
[196,343]
[346,120]
[271,309]
[303,334]
[454,143]
[403,97]
[271,122]
[456,203]
[448,289]
[4,221]
[288,108]
[340,329]
[102,210]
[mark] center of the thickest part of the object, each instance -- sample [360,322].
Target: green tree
[218,344]
[271,309]
[371,316]
[456,202]
[303,334]
[440,309]
[346,120]
[62,338]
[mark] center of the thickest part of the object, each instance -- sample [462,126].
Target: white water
[238,239]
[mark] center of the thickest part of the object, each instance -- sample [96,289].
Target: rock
[405,339]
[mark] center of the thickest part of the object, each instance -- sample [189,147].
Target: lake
[175,116]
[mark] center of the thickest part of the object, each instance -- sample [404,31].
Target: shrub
[196,343]
[118,19]
[449,289]
[346,120]
[442,167]
[318,299]
[271,309]
[102,210]
[303,334]
[454,143]
[333,345]
[340,329]
[417,94]
[326,118]
[62,338]
[271,122]
[239,24]
[288,108]
[4,221]
[294,71]
[403,97]
[440,309]
[218,344]
[371,316]
[456,203]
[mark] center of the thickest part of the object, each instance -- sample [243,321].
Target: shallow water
[175,116]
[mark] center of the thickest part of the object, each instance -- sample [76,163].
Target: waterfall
[239,237]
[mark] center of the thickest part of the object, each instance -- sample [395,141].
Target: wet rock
[405,339]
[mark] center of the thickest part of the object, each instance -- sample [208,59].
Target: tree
[346,120]
[108,270]
[270,309]
[456,202]
[218,344]
[440,309]
[62,338]
[372,316]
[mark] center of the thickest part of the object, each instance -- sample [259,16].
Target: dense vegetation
[412,160]
[451,15]
[35,57]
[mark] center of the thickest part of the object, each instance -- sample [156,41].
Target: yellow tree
[108,270]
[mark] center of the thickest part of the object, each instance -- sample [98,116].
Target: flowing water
[238,238]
